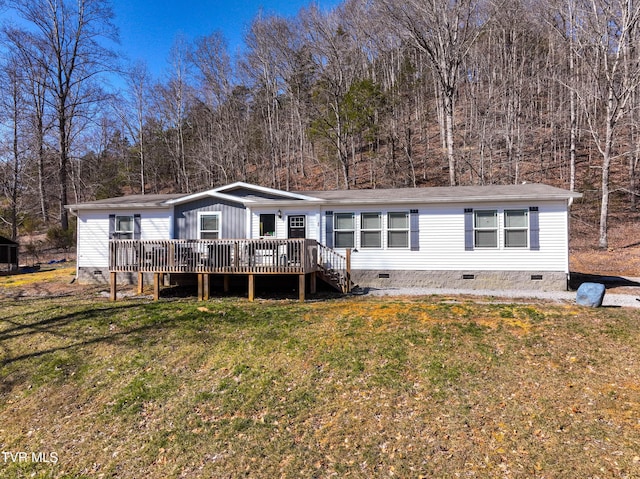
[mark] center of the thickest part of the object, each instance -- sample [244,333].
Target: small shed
[8,255]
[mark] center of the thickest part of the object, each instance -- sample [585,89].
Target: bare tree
[339,63]
[33,68]
[563,19]
[11,101]
[605,35]
[67,37]
[262,66]
[214,141]
[444,30]
[133,112]
[172,102]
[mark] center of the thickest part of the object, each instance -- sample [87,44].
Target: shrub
[61,239]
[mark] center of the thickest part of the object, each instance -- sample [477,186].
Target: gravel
[612,300]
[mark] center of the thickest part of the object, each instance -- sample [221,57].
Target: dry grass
[409,387]
[57,280]
[621,258]
[52,275]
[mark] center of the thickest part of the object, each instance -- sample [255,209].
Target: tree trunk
[16,161]
[603,241]
[449,125]
[40,152]
[62,166]
[573,133]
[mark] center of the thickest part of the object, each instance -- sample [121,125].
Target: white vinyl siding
[442,246]
[93,233]
[311,216]
[441,237]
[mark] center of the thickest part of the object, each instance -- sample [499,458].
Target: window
[398,230]
[370,230]
[296,221]
[485,227]
[267,225]
[344,230]
[210,226]
[296,226]
[516,228]
[124,227]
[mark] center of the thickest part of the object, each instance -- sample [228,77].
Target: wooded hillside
[375,93]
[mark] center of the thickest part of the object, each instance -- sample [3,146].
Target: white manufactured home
[481,237]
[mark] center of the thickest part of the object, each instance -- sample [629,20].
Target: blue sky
[148,27]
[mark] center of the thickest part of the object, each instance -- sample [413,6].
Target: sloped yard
[360,387]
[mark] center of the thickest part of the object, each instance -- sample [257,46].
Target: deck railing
[235,256]
[335,267]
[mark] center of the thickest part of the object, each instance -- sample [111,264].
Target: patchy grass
[50,275]
[404,387]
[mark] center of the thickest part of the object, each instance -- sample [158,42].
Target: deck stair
[334,268]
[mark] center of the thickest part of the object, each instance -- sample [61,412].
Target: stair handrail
[330,260]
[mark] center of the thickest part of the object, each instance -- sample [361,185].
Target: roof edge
[264,189]
[208,194]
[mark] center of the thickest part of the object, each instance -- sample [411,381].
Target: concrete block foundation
[488,280]
[479,280]
[101,276]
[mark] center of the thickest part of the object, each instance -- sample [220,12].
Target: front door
[297,227]
[297,230]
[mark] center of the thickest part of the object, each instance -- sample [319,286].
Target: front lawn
[359,387]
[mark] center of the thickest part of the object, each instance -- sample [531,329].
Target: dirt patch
[624,261]
[49,281]
[621,258]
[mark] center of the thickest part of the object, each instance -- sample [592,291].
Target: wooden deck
[227,257]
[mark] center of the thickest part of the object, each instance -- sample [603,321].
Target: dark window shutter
[329,228]
[534,229]
[414,232]
[468,229]
[112,225]
[136,226]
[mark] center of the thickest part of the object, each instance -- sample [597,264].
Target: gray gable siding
[246,193]
[233,224]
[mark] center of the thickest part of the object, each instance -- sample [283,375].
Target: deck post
[312,285]
[206,286]
[302,286]
[156,286]
[113,290]
[200,286]
[227,283]
[140,282]
[251,287]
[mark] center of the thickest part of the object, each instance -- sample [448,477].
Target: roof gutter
[435,200]
[117,206]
